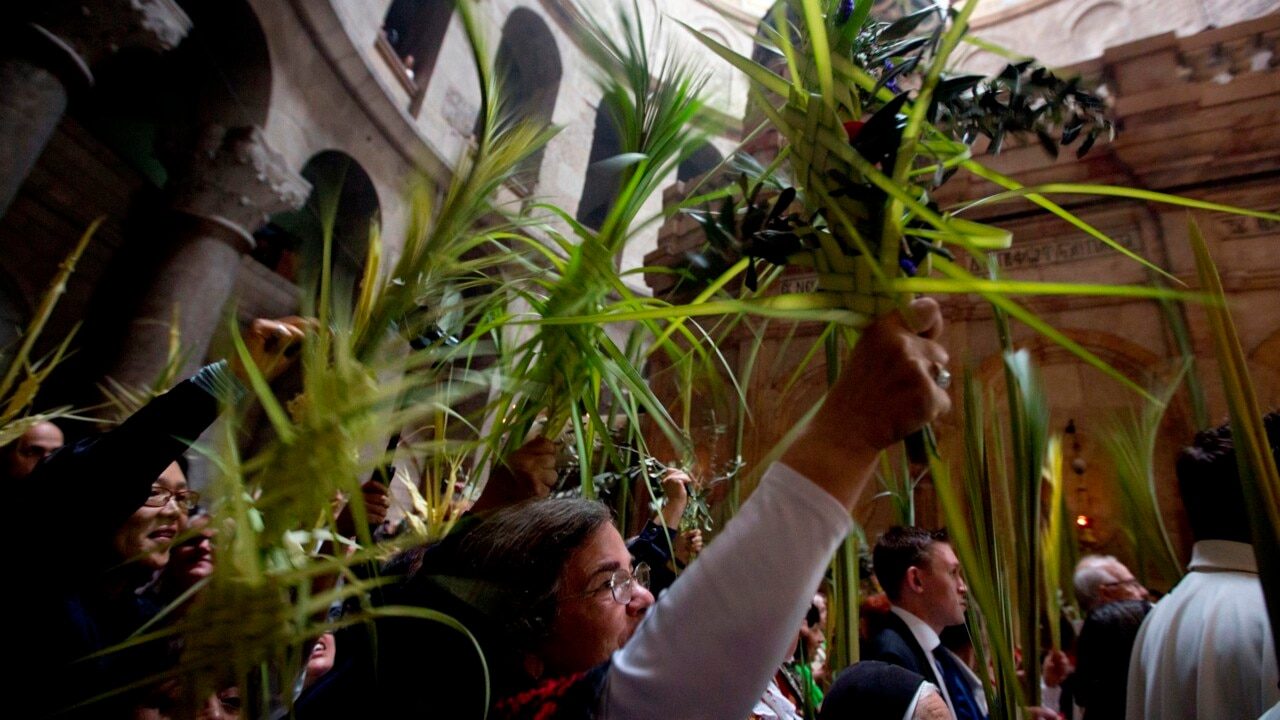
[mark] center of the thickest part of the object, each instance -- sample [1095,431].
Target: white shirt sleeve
[709,647]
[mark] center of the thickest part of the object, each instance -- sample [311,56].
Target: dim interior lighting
[1084,521]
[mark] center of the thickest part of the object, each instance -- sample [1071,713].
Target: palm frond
[1131,443]
[1051,544]
[18,395]
[1255,456]
[978,508]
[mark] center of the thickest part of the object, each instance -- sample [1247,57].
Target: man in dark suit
[920,573]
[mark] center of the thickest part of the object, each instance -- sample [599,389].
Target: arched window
[703,160]
[528,70]
[601,184]
[412,34]
[292,244]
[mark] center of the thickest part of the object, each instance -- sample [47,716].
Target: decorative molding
[1041,252]
[234,178]
[96,29]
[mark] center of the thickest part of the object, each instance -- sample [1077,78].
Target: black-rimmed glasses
[185,499]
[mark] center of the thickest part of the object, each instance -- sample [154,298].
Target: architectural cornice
[350,64]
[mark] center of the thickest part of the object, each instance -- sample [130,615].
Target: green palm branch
[1131,443]
[565,366]
[978,508]
[866,205]
[1051,544]
[23,375]
[1255,456]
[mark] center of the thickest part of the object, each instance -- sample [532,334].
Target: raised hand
[272,344]
[891,386]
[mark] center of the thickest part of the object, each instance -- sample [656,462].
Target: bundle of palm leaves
[872,125]
[509,313]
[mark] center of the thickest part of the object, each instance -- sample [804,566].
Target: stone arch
[152,109]
[416,29]
[1098,25]
[1080,394]
[1144,367]
[1264,364]
[292,243]
[1128,357]
[700,162]
[600,186]
[529,69]
[763,50]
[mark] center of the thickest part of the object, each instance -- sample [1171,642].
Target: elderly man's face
[29,449]
[1122,586]
[589,623]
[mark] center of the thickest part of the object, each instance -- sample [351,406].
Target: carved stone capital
[235,179]
[95,29]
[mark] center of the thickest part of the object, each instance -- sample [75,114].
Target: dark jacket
[72,505]
[893,643]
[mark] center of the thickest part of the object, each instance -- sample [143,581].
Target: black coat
[71,506]
[894,643]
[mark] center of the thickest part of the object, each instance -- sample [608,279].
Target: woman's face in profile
[147,536]
[590,625]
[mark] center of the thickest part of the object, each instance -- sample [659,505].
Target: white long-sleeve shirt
[710,646]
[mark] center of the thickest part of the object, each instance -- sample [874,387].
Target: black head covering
[871,690]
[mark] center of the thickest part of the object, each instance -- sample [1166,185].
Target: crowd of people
[554,614]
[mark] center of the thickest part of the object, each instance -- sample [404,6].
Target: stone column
[222,193]
[50,57]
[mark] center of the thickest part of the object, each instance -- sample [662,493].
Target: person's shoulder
[889,644]
[573,697]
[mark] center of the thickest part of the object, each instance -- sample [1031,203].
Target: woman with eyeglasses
[112,506]
[541,614]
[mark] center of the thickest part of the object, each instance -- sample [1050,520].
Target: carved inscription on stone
[1239,226]
[1058,250]
[799,284]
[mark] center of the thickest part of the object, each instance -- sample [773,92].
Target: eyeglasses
[1131,583]
[622,584]
[159,497]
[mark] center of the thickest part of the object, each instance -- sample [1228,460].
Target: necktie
[962,702]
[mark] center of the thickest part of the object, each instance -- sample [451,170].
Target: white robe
[1205,651]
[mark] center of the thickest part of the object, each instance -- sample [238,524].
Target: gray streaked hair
[1092,572]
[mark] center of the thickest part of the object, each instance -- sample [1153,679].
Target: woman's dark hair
[508,566]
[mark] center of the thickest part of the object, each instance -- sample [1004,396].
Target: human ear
[914,580]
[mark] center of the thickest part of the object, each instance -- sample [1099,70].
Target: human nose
[172,505]
[640,601]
